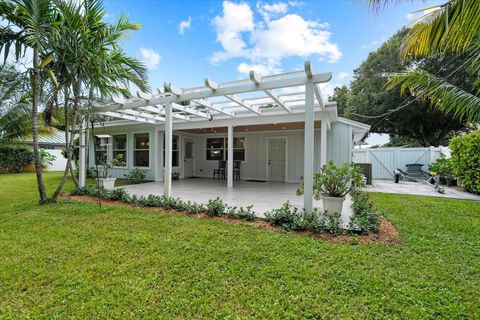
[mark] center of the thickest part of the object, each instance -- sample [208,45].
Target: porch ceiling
[254,128]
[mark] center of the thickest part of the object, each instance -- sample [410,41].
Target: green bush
[136,176]
[443,167]
[366,218]
[216,207]
[465,151]
[14,158]
[292,218]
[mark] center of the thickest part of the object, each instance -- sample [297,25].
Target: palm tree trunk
[69,142]
[35,103]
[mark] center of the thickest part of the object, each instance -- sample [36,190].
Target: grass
[71,260]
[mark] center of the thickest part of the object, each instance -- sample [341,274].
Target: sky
[183,42]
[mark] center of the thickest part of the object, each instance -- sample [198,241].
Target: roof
[57,138]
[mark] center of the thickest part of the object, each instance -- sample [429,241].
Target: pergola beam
[277,100]
[160,110]
[206,104]
[221,91]
[190,110]
[142,115]
[127,117]
[243,103]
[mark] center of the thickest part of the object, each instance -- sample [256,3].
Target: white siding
[255,164]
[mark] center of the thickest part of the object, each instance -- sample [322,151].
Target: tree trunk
[35,103]
[69,142]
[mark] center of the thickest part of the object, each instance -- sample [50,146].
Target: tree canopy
[387,111]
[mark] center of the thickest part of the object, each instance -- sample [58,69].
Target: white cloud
[292,35]
[260,69]
[271,10]
[150,57]
[343,76]
[280,35]
[184,25]
[237,18]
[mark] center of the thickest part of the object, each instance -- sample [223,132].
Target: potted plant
[176,175]
[105,180]
[333,183]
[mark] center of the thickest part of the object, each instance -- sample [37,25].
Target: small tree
[465,151]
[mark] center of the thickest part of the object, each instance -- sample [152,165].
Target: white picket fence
[385,160]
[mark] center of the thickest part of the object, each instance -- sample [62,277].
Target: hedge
[465,151]
[14,158]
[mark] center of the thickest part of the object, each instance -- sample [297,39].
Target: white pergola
[291,93]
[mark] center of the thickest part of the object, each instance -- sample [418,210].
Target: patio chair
[220,172]
[236,170]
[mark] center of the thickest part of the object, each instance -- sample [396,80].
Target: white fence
[385,160]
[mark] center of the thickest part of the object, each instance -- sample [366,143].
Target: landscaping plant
[135,176]
[334,181]
[465,150]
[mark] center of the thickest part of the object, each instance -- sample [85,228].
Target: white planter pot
[108,183]
[332,204]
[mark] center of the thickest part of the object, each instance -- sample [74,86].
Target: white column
[308,165]
[167,180]
[230,157]
[323,143]
[82,172]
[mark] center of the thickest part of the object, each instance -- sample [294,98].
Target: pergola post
[308,166]
[230,157]
[323,143]
[167,180]
[82,172]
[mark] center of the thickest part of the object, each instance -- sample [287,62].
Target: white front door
[188,158]
[276,158]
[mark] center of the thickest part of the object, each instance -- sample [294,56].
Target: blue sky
[183,42]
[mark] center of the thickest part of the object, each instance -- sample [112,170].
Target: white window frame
[126,149]
[225,147]
[134,149]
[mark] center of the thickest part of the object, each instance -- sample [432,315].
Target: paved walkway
[419,189]
[264,196]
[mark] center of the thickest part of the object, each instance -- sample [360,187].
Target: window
[120,147]
[141,153]
[100,151]
[217,149]
[175,152]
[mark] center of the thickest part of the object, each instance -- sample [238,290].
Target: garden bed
[387,233]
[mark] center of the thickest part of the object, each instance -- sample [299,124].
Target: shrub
[366,218]
[443,167]
[292,218]
[136,176]
[465,151]
[335,181]
[216,207]
[14,158]
[46,159]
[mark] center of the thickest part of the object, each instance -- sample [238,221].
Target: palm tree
[29,24]
[453,27]
[88,63]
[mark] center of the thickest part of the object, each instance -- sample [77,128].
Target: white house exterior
[283,135]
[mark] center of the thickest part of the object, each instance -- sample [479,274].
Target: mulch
[387,233]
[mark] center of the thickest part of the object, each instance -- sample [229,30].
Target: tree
[29,22]
[451,28]
[340,95]
[387,111]
[15,113]
[89,63]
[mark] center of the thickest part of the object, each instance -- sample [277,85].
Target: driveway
[419,189]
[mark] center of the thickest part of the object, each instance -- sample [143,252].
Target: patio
[264,196]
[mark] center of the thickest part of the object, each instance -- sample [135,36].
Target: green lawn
[71,260]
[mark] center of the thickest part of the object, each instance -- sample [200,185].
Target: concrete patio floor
[264,196]
[419,189]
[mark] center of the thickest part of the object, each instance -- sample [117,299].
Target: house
[54,141]
[277,128]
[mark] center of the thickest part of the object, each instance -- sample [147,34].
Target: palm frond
[442,95]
